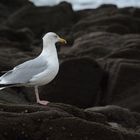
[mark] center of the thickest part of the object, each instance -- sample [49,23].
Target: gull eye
[55,36]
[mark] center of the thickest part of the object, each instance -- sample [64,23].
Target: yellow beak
[61,40]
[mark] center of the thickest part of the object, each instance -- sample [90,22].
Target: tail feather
[2,86]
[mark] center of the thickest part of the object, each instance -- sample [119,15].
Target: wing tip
[2,88]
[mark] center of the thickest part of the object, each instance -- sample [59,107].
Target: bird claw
[42,102]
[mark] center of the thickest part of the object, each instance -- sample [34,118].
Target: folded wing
[24,72]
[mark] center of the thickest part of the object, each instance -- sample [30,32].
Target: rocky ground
[96,94]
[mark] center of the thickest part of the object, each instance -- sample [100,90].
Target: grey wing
[24,72]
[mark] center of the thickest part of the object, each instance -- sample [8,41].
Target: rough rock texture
[42,19]
[57,122]
[7,7]
[99,71]
[119,81]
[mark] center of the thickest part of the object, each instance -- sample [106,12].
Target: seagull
[38,71]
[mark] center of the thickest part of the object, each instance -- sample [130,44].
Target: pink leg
[42,102]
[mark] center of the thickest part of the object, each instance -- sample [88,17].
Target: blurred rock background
[99,72]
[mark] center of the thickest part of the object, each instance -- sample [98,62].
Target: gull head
[53,37]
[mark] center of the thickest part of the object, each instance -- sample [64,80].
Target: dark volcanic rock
[22,36]
[56,122]
[95,45]
[15,4]
[42,19]
[123,76]
[7,7]
[121,116]
[16,47]
[126,53]
[77,83]
[105,45]
[129,47]
[109,19]
[3,13]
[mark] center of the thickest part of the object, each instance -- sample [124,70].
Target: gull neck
[49,48]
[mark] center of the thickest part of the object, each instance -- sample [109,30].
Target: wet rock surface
[99,73]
